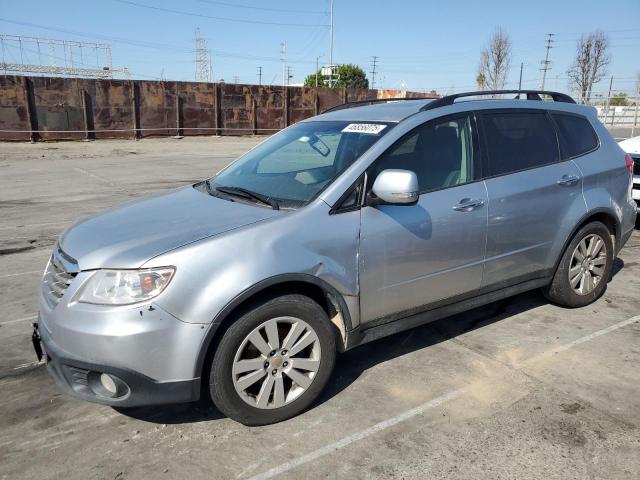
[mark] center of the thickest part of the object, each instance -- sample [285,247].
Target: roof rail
[531,95]
[358,103]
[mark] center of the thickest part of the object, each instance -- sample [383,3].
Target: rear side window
[518,140]
[576,135]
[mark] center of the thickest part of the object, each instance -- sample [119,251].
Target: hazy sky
[425,44]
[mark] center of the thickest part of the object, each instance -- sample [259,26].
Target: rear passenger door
[534,196]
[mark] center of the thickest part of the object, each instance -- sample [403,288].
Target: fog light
[109,384]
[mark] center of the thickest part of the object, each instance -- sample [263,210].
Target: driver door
[414,256]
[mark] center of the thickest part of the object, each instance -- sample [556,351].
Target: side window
[518,140]
[440,154]
[576,135]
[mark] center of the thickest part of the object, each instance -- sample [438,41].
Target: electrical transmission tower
[203,64]
[57,57]
[374,64]
[283,61]
[545,63]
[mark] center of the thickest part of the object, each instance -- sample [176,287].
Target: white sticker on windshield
[368,128]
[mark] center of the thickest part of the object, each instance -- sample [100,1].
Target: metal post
[135,108]
[218,118]
[32,116]
[179,118]
[254,116]
[635,116]
[85,114]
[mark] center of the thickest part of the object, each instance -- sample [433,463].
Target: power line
[211,17]
[252,7]
[546,61]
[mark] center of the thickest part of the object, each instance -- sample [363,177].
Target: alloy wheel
[276,362]
[587,266]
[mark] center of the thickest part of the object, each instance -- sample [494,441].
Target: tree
[349,76]
[619,100]
[590,64]
[495,61]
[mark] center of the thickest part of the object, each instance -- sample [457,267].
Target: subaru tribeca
[352,225]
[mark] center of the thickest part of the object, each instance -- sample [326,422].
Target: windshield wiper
[243,192]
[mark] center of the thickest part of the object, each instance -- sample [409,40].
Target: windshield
[293,166]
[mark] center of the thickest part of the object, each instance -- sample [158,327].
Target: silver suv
[343,228]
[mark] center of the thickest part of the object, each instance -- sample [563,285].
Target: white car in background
[632,147]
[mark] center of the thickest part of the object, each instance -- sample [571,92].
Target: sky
[421,45]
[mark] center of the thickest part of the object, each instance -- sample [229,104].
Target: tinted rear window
[576,135]
[518,140]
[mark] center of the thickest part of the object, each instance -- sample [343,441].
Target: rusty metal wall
[52,108]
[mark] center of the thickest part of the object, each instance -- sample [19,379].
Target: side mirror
[395,187]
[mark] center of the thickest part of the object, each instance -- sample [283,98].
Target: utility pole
[283,61]
[546,61]
[317,68]
[606,108]
[374,63]
[289,74]
[331,66]
[259,75]
[331,32]
[520,81]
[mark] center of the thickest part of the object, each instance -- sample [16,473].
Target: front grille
[636,165]
[56,279]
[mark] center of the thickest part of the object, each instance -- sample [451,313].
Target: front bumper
[81,379]
[154,354]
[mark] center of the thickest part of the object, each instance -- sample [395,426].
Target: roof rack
[359,103]
[531,95]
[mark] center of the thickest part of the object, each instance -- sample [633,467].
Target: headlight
[124,287]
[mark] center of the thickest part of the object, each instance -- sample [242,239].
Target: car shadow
[352,364]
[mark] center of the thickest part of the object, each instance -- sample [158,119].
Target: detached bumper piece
[110,385]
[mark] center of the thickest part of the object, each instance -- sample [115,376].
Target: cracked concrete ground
[518,389]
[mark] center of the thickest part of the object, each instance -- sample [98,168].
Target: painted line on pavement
[23,319]
[20,273]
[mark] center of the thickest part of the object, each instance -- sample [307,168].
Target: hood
[129,235]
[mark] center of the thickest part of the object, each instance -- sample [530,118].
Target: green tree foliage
[619,100]
[349,76]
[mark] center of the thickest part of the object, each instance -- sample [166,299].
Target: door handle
[468,204]
[568,180]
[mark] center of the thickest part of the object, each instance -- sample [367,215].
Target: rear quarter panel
[606,181]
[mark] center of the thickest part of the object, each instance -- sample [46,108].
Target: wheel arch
[603,215]
[331,301]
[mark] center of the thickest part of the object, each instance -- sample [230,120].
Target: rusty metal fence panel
[53,108]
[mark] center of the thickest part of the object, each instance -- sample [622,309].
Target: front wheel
[584,269]
[273,361]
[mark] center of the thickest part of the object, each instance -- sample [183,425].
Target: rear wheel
[273,361]
[585,267]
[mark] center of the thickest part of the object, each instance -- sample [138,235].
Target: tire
[295,317]
[561,291]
